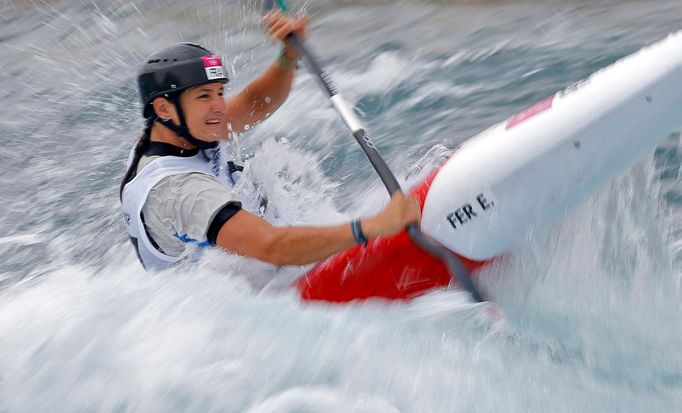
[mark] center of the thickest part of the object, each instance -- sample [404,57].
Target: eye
[203,96]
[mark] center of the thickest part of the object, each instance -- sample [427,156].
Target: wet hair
[140,149]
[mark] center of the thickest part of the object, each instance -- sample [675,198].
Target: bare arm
[265,94]
[249,235]
[259,98]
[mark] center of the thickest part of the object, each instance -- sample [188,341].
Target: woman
[172,193]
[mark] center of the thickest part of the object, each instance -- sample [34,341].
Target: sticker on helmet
[214,67]
[215,72]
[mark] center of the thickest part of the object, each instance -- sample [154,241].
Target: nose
[218,105]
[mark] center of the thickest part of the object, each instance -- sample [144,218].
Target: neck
[161,133]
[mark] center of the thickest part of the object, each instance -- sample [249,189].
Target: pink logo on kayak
[211,61]
[541,106]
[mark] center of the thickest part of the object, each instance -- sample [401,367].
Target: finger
[277,28]
[301,24]
[271,16]
[285,25]
[302,27]
[277,22]
[283,32]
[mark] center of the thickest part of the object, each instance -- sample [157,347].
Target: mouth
[215,129]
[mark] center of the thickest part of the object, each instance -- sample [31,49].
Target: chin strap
[181,130]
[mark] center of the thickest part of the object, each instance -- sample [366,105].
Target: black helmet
[175,69]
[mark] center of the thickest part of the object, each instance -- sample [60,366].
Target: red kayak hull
[388,267]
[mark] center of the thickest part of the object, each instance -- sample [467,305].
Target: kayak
[517,176]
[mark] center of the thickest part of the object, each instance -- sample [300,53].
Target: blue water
[592,309]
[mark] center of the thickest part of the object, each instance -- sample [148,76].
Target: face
[204,110]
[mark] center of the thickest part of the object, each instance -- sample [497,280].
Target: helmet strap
[182,130]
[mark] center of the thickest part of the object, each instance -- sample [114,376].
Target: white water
[592,308]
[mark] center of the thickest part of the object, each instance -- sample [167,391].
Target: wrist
[369,227]
[286,61]
[358,232]
[290,51]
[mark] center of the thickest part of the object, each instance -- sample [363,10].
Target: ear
[163,108]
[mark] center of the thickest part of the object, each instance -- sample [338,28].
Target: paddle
[428,244]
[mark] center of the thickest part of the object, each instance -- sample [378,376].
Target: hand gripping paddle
[455,268]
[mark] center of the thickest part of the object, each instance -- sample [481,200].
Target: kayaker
[175,194]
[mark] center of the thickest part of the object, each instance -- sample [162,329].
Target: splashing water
[592,309]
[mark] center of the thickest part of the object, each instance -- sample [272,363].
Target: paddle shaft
[455,267]
[348,116]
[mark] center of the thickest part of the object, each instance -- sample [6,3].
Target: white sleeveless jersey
[135,195]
